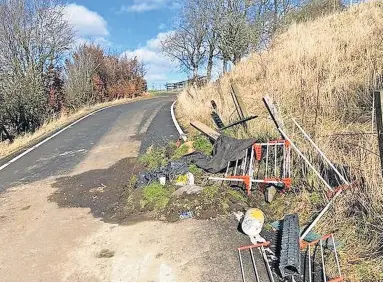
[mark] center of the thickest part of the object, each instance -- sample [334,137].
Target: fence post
[379,123]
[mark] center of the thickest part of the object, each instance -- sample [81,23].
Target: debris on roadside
[186,215]
[311,251]
[170,171]
[270,193]
[187,179]
[252,223]
[335,192]
[206,130]
[257,273]
[225,149]
[261,163]
[219,123]
[290,258]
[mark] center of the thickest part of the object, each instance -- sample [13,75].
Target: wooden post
[379,123]
[238,104]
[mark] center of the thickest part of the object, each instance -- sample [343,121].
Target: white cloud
[159,67]
[140,6]
[85,22]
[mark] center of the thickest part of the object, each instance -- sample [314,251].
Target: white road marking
[182,134]
[49,138]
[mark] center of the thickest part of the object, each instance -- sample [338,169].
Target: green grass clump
[180,151]
[156,196]
[154,158]
[210,192]
[202,144]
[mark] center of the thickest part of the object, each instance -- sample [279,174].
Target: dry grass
[54,124]
[322,73]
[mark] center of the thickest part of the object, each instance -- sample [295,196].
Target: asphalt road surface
[147,122]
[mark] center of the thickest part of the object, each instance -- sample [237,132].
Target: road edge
[12,157]
[51,137]
[176,124]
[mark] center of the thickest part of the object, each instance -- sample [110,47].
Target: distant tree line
[43,73]
[209,31]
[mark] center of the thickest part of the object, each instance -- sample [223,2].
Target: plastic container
[252,223]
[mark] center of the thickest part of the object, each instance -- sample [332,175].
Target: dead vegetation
[322,73]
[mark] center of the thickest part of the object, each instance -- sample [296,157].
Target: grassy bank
[322,73]
[52,125]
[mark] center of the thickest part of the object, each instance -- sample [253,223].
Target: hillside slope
[322,73]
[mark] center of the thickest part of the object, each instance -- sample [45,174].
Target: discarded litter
[290,259]
[262,163]
[162,180]
[187,179]
[226,149]
[312,254]
[170,171]
[310,237]
[252,224]
[261,248]
[186,215]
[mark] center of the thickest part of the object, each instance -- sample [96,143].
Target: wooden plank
[206,130]
[379,123]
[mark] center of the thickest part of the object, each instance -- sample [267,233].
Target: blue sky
[131,27]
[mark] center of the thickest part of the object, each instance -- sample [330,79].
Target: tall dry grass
[322,73]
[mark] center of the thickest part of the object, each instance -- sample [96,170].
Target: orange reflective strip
[246,180]
[258,151]
[287,182]
[254,246]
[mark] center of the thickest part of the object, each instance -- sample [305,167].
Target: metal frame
[309,246]
[261,248]
[277,168]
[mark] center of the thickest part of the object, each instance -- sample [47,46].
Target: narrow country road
[57,209]
[126,127]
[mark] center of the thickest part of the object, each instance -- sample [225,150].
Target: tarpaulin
[225,149]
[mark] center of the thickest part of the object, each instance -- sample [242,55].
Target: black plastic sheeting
[225,149]
[172,169]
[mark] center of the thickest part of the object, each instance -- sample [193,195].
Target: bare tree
[233,28]
[187,43]
[230,29]
[79,72]
[33,36]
